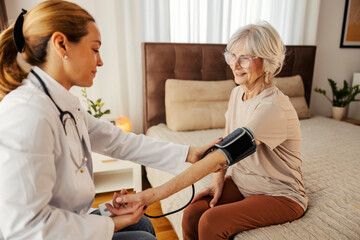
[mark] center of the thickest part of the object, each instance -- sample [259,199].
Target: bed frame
[330,158]
[189,61]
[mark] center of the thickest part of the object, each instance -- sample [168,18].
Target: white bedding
[331,169]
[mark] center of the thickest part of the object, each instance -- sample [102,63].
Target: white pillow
[196,105]
[293,87]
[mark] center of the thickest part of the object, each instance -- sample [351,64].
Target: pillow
[196,105]
[293,87]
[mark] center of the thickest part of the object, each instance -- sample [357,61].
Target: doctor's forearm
[212,162]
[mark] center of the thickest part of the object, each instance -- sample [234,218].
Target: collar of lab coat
[62,97]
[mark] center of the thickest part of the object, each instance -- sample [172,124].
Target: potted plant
[94,108]
[340,97]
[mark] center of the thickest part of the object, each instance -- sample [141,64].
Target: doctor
[46,137]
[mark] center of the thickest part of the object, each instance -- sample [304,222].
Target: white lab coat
[43,195]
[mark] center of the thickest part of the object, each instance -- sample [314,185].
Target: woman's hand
[121,209]
[214,190]
[196,152]
[144,198]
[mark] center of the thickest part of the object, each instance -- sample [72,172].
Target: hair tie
[18,31]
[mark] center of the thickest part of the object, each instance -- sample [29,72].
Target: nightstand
[114,174]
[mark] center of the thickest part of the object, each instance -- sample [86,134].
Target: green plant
[341,97]
[94,108]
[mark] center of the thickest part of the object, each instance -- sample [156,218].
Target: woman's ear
[59,42]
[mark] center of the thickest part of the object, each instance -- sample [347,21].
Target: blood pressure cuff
[236,146]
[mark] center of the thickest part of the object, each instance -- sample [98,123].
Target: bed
[330,149]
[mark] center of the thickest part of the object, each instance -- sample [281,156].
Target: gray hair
[261,40]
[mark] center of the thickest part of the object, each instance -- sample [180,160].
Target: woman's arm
[214,161]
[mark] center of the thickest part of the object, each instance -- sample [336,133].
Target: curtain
[3,16]
[156,20]
[214,21]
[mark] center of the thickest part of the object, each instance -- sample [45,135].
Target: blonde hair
[261,40]
[39,25]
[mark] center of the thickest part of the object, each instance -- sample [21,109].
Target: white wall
[331,61]
[13,8]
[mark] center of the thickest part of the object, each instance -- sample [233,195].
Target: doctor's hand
[196,152]
[125,220]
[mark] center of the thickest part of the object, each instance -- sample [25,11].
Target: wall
[331,61]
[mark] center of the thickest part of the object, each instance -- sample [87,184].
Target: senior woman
[264,188]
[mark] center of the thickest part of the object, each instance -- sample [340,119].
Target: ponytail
[11,73]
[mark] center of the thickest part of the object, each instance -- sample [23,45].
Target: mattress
[331,170]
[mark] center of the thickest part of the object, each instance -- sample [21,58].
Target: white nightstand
[113,174]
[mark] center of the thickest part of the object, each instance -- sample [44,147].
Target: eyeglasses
[243,61]
[64,116]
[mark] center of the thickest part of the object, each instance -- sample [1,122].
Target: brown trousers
[233,213]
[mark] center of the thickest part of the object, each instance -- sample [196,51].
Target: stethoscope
[64,116]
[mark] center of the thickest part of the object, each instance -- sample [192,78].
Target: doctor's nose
[100,63]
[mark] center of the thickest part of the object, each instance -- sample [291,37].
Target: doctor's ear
[59,41]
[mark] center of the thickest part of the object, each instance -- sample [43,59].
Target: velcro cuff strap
[236,146]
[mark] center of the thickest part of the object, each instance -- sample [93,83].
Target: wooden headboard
[188,61]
